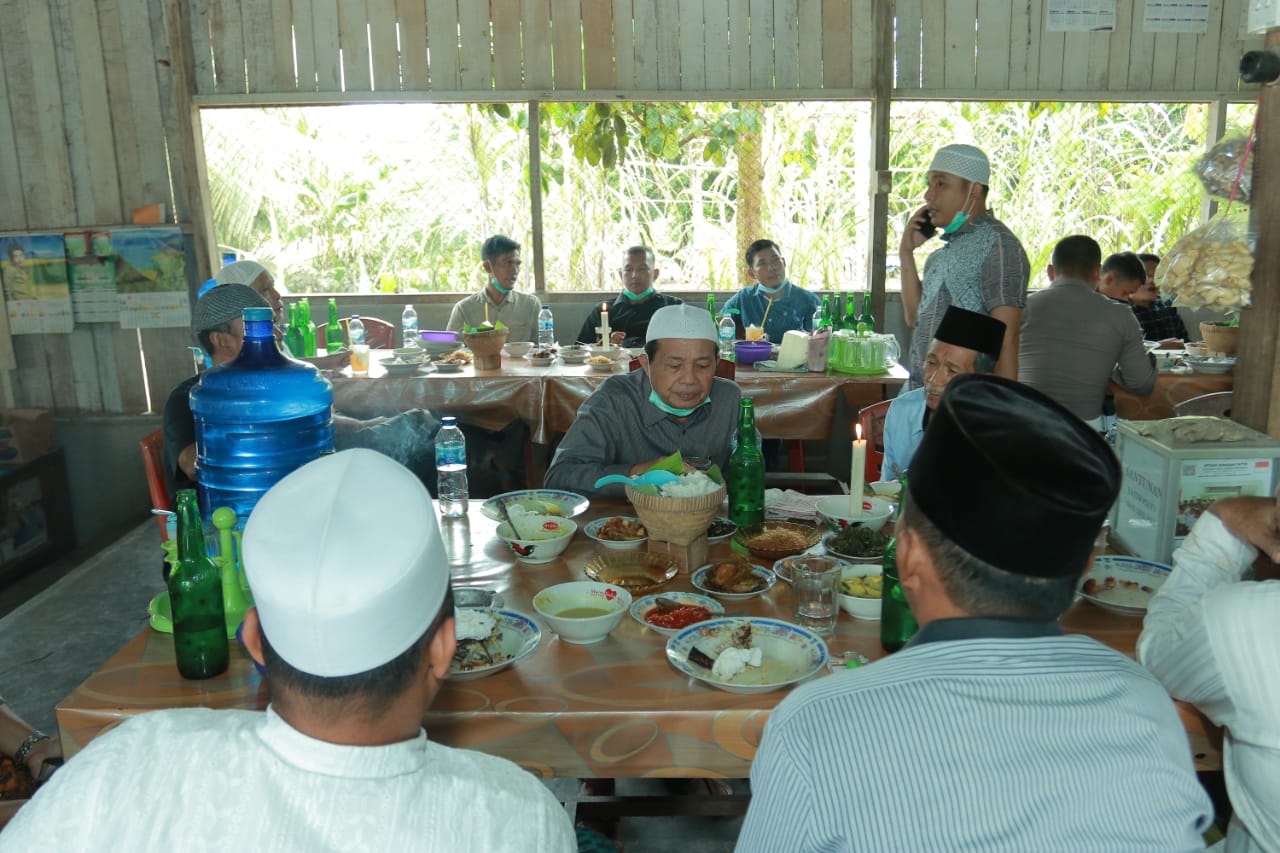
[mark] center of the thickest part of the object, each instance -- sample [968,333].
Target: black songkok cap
[1013,478]
[971,330]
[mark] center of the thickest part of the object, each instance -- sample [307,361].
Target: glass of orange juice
[755,333]
[360,359]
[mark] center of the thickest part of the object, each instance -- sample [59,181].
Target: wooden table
[613,709]
[788,405]
[1171,388]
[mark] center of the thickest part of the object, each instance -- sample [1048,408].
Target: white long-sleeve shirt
[243,780]
[1214,641]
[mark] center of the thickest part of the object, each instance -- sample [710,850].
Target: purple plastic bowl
[439,336]
[749,352]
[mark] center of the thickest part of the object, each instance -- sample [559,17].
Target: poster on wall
[92,278]
[151,278]
[33,268]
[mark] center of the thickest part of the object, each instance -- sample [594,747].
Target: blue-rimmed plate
[790,654]
[592,531]
[538,502]
[1123,584]
[520,636]
[765,577]
[644,606]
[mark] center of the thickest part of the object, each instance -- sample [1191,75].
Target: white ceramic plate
[767,580]
[641,608]
[592,531]
[537,501]
[791,654]
[1123,584]
[723,536]
[520,636]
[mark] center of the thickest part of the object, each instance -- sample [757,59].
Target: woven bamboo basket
[486,347]
[1221,340]
[676,520]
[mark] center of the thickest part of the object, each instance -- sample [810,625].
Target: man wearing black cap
[1075,341]
[966,342]
[991,729]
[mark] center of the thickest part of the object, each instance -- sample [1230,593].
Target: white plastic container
[1167,485]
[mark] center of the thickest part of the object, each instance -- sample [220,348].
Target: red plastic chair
[379,334]
[871,419]
[153,462]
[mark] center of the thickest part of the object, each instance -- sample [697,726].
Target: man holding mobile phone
[982,267]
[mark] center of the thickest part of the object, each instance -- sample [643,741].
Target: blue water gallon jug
[258,418]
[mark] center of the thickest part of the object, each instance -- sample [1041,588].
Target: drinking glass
[360,359]
[815,588]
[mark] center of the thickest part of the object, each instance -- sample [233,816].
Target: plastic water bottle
[409,323]
[725,330]
[359,348]
[258,418]
[451,469]
[546,328]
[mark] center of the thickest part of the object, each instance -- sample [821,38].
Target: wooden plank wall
[83,141]
[96,98]
[447,49]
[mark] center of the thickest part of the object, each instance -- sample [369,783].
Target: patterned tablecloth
[788,405]
[613,709]
[1171,388]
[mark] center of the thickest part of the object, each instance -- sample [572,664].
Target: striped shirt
[978,743]
[981,267]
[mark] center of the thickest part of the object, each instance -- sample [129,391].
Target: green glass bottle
[308,328]
[851,312]
[333,332]
[866,320]
[825,320]
[293,337]
[195,599]
[897,624]
[745,477]
[711,305]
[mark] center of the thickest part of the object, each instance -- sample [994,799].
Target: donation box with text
[1169,481]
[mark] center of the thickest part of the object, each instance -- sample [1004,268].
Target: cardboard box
[25,434]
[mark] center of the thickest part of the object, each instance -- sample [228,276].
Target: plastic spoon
[648,478]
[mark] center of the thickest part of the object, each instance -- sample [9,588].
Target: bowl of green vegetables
[856,545]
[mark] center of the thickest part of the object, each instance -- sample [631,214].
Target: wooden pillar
[535,198]
[1215,126]
[881,178]
[1257,381]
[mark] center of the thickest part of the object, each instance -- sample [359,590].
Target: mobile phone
[927,228]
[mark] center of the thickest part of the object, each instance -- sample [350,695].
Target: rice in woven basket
[676,520]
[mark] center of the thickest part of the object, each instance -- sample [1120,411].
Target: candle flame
[857,429]
[604,307]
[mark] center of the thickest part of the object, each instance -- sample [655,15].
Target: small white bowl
[857,606]
[517,349]
[554,601]
[834,512]
[592,531]
[539,550]
[600,367]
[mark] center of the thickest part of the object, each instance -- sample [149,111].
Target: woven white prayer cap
[240,272]
[346,564]
[963,161]
[681,321]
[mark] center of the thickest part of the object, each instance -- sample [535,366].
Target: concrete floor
[56,638]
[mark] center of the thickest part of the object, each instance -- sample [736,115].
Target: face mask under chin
[672,410]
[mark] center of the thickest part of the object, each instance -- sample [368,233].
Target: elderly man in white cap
[635,419]
[982,268]
[354,626]
[258,277]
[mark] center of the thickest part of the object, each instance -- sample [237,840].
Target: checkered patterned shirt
[1160,321]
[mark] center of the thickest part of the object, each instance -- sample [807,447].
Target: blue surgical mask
[672,410]
[504,291]
[772,290]
[637,297]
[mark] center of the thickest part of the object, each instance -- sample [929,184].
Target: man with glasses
[630,311]
[787,305]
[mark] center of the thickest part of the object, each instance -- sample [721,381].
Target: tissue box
[25,434]
[794,351]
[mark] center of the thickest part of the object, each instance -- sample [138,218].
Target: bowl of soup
[582,612]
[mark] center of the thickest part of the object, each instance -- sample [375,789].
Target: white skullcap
[346,564]
[240,272]
[681,321]
[963,161]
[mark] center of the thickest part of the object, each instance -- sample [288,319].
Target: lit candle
[856,473]
[604,324]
